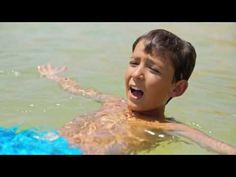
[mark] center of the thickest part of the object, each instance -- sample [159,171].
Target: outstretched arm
[203,139]
[68,84]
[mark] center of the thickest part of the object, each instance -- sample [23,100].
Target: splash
[32,142]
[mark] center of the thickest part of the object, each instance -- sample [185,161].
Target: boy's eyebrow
[134,58]
[150,61]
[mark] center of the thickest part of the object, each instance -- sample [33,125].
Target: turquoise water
[34,142]
[97,55]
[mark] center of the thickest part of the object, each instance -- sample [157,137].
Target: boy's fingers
[42,69]
[49,67]
[38,67]
[61,69]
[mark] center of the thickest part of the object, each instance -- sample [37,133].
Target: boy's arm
[203,139]
[68,84]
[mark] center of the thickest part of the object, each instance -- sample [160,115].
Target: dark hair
[169,46]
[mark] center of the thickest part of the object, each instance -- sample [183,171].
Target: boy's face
[148,80]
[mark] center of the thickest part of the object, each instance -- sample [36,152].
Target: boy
[159,69]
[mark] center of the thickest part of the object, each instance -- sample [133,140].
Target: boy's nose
[139,73]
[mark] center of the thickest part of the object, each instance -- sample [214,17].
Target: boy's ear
[179,88]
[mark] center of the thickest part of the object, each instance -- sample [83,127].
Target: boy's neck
[156,114]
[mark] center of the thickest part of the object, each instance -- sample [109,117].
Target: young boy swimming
[159,68]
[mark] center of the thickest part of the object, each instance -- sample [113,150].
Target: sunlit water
[97,55]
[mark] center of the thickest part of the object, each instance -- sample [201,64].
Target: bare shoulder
[113,104]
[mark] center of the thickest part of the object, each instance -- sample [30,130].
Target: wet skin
[138,123]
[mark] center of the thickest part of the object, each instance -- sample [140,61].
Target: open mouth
[136,92]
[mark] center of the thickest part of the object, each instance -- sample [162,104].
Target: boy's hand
[51,72]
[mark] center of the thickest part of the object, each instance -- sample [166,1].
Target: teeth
[135,88]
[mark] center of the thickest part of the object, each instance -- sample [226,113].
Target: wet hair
[167,45]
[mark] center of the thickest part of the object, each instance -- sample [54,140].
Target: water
[97,55]
[33,142]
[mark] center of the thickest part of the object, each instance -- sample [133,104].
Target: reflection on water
[97,55]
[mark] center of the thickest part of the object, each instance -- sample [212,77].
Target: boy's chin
[135,107]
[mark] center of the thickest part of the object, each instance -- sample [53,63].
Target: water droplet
[16,73]
[161,135]
[57,104]
[197,125]
[31,105]
[51,136]
[150,132]
[36,137]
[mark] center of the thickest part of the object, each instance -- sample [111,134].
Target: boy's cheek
[127,78]
[127,73]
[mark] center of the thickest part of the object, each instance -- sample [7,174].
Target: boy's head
[160,66]
[167,45]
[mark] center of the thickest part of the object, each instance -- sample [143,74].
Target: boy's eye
[133,63]
[154,70]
